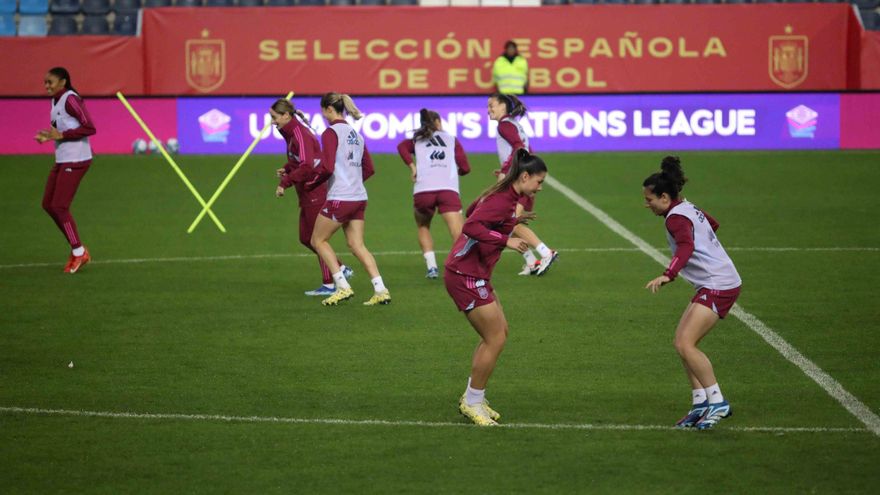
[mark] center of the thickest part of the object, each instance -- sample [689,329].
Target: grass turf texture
[588,344]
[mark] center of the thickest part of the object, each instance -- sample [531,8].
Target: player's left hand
[279,191]
[279,172]
[42,136]
[53,134]
[654,285]
[525,217]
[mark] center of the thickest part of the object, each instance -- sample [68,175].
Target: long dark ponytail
[523,161]
[669,180]
[427,129]
[515,107]
[61,73]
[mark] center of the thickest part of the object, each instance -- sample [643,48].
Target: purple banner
[554,123]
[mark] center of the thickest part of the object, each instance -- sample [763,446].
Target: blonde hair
[342,103]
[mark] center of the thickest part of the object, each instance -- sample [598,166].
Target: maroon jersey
[302,151]
[484,235]
[682,231]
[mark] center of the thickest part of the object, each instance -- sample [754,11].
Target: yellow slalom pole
[170,160]
[207,207]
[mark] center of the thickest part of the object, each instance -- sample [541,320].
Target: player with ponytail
[485,234]
[698,256]
[506,109]
[436,159]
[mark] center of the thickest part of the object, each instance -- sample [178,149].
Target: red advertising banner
[870,60]
[570,49]
[98,65]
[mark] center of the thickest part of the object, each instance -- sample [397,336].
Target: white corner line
[850,402]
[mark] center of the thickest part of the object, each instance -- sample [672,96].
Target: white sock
[544,251]
[341,283]
[530,258]
[378,285]
[328,286]
[430,259]
[714,393]
[79,251]
[474,396]
[699,395]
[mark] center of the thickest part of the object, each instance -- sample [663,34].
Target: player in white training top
[345,165]
[439,160]
[698,256]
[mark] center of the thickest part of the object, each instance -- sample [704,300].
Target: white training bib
[435,164]
[68,151]
[709,266]
[504,148]
[347,182]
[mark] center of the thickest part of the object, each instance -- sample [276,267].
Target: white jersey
[68,151]
[709,266]
[436,169]
[347,181]
[504,148]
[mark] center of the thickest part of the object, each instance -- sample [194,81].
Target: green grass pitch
[222,328]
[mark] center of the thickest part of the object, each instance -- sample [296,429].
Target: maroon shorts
[344,211]
[719,301]
[527,202]
[468,292]
[444,201]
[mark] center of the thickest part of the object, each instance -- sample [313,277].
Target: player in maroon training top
[303,153]
[70,130]
[485,234]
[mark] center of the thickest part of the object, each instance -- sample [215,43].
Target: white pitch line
[408,253]
[385,422]
[850,402]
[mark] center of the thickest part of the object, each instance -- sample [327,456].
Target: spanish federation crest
[205,63]
[789,59]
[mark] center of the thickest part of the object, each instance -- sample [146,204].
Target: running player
[698,255]
[346,164]
[511,137]
[303,154]
[439,160]
[487,231]
[70,131]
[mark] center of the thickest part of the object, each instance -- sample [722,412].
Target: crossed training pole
[206,208]
[171,162]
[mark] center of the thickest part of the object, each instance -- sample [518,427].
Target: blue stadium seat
[250,3]
[583,1]
[767,1]
[219,3]
[403,2]
[7,24]
[645,2]
[371,2]
[738,1]
[96,25]
[554,2]
[678,1]
[62,25]
[870,19]
[157,3]
[96,7]
[341,2]
[7,6]
[33,7]
[125,24]
[280,3]
[310,3]
[187,3]
[126,6]
[614,2]
[867,4]
[64,6]
[32,25]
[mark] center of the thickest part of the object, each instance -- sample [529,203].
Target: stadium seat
[32,25]
[738,1]
[96,25]
[583,1]
[371,2]
[645,2]
[867,4]
[403,2]
[126,6]
[614,2]
[187,3]
[7,6]
[678,1]
[554,2]
[157,3]
[63,25]
[33,7]
[870,19]
[341,2]
[310,3]
[64,7]
[767,1]
[250,3]
[280,3]
[125,24]
[96,7]
[7,24]
[219,3]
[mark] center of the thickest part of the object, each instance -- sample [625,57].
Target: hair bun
[671,167]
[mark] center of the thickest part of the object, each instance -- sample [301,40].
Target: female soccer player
[303,153]
[70,129]
[487,231]
[698,256]
[439,161]
[346,163]
[511,137]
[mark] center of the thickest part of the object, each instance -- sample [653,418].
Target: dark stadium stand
[120,17]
